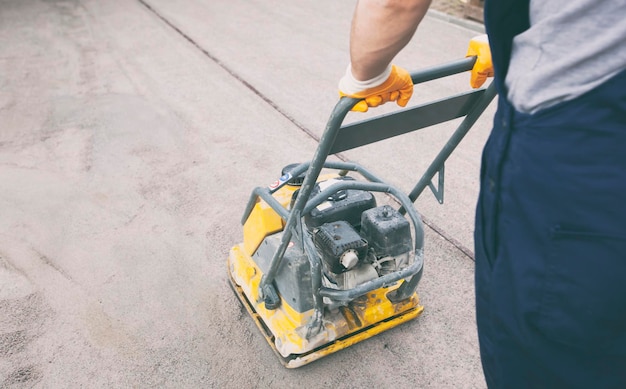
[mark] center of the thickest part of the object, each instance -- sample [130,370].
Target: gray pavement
[131,135]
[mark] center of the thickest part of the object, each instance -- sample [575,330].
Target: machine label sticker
[278,183]
[324,205]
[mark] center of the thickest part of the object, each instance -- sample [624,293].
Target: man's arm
[380,29]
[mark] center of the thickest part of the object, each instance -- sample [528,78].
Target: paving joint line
[230,71]
[467,252]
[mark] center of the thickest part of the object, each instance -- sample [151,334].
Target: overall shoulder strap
[504,19]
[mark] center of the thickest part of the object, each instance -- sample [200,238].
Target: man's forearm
[380,29]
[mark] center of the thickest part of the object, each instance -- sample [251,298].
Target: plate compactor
[323,264]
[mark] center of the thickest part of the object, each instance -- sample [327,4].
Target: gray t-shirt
[571,47]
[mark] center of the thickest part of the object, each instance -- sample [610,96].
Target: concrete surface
[131,135]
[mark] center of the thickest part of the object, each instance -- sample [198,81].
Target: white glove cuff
[350,85]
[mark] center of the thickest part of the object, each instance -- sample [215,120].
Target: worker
[550,230]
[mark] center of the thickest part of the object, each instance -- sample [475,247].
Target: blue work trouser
[550,244]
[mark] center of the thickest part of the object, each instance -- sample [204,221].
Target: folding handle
[325,148]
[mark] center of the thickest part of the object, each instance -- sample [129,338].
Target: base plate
[298,360]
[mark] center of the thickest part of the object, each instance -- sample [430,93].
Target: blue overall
[550,237]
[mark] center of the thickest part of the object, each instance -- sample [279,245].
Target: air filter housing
[387,231]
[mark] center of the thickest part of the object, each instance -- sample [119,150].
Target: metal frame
[337,138]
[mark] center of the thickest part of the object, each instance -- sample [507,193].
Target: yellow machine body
[367,260]
[285,328]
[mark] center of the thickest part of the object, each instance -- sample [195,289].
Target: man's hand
[393,85]
[483,68]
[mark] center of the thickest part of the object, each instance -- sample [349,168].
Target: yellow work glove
[483,68]
[393,85]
